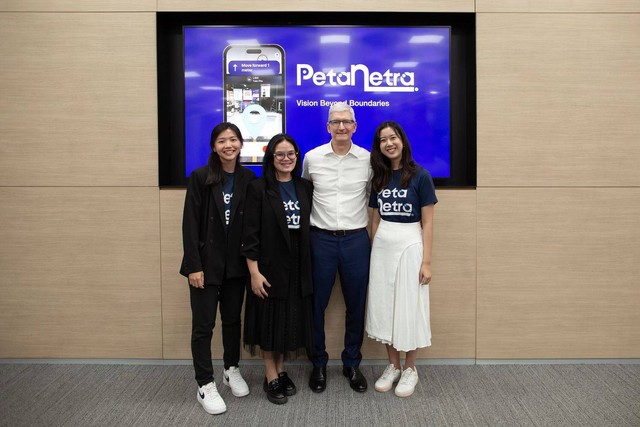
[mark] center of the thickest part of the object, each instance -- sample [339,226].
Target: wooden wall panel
[453,288]
[558,273]
[80,273]
[452,294]
[319,5]
[77,6]
[558,99]
[93,272]
[561,6]
[78,103]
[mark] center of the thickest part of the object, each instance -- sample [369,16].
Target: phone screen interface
[254,96]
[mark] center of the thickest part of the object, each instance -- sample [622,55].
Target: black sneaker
[288,386]
[275,392]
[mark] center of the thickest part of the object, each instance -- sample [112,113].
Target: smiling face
[391,146]
[284,160]
[341,126]
[227,145]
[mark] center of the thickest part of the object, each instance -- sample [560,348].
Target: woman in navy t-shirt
[276,245]
[403,197]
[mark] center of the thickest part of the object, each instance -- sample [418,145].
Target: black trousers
[204,305]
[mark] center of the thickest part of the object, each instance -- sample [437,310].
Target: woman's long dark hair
[216,173]
[381,165]
[269,169]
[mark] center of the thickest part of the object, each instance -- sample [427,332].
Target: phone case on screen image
[254,98]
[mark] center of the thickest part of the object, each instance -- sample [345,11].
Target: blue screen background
[424,111]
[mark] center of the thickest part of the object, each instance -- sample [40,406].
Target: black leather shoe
[357,381]
[318,379]
[274,391]
[287,385]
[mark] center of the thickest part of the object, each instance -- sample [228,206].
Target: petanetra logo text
[387,81]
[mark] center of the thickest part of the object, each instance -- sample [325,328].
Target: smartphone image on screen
[254,86]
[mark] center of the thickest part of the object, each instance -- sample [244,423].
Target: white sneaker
[210,400]
[407,384]
[389,376]
[233,379]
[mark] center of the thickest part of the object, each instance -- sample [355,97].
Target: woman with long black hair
[403,198]
[211,233]
[278,317]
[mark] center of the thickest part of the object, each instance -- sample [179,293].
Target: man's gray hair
[341,106]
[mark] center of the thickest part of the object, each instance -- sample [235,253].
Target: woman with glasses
[278,315]
[403,198]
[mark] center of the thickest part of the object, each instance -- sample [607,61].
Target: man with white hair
[341,175]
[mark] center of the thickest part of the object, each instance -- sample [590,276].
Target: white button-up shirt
[341,186]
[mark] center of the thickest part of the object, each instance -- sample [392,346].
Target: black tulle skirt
[282,326]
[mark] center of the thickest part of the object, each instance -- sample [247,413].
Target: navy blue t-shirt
[397,204]
[227,195]
[291,204]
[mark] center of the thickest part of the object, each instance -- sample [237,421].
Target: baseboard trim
[170,362]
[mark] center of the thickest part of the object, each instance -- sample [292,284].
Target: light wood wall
[558,149]
[79,218]
[540,261]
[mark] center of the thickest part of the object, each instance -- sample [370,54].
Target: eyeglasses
[280,156]
[337,123]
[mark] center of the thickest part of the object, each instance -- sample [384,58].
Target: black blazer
[266,236]
[207,247]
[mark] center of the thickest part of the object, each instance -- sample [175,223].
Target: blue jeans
[348,256]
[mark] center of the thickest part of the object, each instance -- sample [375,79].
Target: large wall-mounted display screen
[268,80]
[271,72]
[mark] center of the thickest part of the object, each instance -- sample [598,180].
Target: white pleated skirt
[397,305]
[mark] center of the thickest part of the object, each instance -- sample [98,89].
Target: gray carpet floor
[447,395]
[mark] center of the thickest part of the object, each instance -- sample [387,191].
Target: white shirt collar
[354,150]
